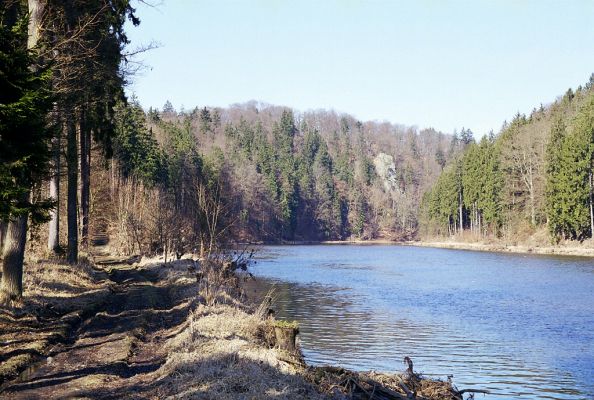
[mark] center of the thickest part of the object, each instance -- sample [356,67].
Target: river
[517,325]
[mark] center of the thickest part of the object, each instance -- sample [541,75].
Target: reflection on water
[515,325]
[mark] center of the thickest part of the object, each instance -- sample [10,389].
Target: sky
[440,64]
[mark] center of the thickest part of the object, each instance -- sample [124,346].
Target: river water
[520,326]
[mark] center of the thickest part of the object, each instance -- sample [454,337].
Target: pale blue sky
[441,64]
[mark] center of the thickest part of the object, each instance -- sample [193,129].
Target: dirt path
[117,349]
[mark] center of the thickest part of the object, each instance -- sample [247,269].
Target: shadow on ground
[113,349]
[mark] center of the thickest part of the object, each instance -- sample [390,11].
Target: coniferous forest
[535,174]
[290,176]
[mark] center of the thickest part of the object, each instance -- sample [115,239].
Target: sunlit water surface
[517,325]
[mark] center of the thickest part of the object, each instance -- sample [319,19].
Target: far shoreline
[559,250]
[569,251]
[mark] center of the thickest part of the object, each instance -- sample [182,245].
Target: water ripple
[514,325]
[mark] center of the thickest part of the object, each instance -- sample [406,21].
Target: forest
[283,175]
[533,178]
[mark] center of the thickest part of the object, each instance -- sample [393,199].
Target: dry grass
[527,241]
[222,354]
[49,282]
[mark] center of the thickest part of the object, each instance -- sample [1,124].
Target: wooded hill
[284,175]
[535,174]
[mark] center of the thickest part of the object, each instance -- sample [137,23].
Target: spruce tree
[24,143]
[555,179]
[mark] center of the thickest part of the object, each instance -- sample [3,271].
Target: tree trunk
[85,172]
[35,13]
[286,337]
[53,241]
[532,209]
[3,228]
[477,221]
[13,255]
[472,218]
[461,216]
[72,166]
[591,206]
[532,202]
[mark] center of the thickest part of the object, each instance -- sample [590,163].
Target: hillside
[316,175]
[530,183]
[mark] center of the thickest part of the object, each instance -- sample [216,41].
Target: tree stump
[286,335]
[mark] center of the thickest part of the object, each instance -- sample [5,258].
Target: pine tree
[569,176]
[555,180]
[490,201]
[205,121]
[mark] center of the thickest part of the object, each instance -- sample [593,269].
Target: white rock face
[386,170]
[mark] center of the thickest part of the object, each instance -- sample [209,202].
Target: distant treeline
[288,176]
[536,172]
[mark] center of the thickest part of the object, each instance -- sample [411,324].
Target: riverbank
[562,250]
[573,249]
[150,330]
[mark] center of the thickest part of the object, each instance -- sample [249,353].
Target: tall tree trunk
[477,221]
[532,201]
[591,178]
[85,177]
[460,207]
[13,255]
[72,203]
[53,241]
[13,251]
[471,211]
[532,208]
[35,13]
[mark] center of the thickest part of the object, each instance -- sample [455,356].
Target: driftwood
[375,386]
[361,388]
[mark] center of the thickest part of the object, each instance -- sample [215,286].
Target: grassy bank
[530,245]
[572,249]
[228,353]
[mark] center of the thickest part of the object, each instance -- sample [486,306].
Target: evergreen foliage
[288,177]
[537,171]
[24,136]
